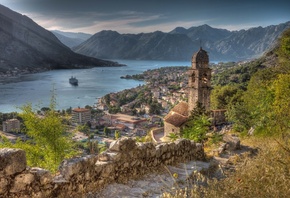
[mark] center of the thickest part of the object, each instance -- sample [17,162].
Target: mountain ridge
[71,39]
[221,44]
[26,46]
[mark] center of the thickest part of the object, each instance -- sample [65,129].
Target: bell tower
[199,81]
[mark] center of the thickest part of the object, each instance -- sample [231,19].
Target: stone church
[199,76]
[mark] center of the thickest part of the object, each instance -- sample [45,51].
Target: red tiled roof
[80,110]
[181,108]
[175,119]
[178,114]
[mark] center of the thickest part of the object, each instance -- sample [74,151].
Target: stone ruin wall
[124,160]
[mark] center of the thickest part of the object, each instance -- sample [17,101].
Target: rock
[59,179]
[123,144]
[115,146]
[42,175]
[12,161]
[3,185]
[232,141]
[104,157]
[222,148]
[70,167]
[21,181]
[251,131]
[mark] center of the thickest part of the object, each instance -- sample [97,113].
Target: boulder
[12,161]
[21,181]
[232,142]
[74,166]
[3,185]
[42,175]
[123,144]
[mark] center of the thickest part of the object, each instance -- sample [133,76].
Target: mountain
[71,39]
[26,46]
[180,43]
[203,33]
[150,46]
[252,43]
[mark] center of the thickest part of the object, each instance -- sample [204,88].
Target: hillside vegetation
[264,105]
[260,103]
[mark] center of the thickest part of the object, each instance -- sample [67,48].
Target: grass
[264,175]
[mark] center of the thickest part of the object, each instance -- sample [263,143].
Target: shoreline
[9,106]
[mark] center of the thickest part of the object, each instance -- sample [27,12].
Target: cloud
[123,22]
[130,16]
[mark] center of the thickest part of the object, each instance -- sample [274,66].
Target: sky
[135,16]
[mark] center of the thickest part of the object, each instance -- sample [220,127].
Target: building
[81,115]
[11,125]
[199,76]
[130,122]
[175,118]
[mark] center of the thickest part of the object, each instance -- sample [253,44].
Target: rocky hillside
[151,46]
[180,43]
[26,46]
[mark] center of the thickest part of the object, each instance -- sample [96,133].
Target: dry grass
[265,175]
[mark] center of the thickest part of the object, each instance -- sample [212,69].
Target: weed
[265,175]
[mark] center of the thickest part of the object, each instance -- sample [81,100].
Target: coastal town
[132,112]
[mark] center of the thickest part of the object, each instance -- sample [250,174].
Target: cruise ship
[73,81]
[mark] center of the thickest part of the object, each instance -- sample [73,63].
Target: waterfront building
[81,115]
[11,125]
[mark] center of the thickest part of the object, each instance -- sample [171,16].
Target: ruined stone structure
[199,81]
[124,160]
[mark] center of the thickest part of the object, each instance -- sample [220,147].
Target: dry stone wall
[124,160]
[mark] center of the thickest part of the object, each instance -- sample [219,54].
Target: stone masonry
[124,160]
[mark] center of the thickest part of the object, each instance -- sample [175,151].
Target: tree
[198,124]
[49,143]
[155,108]
[106,131]
[117,134]
[196,128]
[239,116]
[258,100]
[107,99]
[281,104]
[222,96]
[84,128]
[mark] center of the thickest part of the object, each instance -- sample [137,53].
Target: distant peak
[205,26]
[110,32]
[180,30]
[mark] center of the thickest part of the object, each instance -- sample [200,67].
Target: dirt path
[153,185]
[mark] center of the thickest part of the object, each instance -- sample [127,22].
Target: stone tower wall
[199,76]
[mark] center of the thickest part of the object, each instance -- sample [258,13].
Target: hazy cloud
[133,16]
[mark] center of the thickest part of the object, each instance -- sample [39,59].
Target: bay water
[93,83]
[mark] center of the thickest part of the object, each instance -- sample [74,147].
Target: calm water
[93,83]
